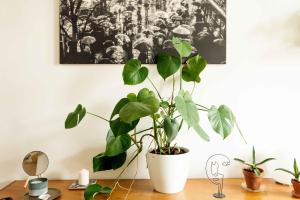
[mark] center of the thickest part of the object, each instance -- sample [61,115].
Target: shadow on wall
[287,30]
[76,162]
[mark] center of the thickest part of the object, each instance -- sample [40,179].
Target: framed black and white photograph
[114,31]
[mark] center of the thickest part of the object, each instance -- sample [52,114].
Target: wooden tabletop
[195,189]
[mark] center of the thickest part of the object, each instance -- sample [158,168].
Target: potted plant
[167,162]
[253,174]
[296,178]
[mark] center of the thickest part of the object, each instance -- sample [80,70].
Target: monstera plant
[167,113]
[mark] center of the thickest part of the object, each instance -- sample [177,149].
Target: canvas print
[113,31]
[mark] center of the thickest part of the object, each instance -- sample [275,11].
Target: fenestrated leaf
[102,162]
[184,48]
[146,105]
[222,120]
[117,126]
[194,66]
[134,73]
[92,190]
[167,65]
[171,128]
[117,145]
[187,108]
[74,118]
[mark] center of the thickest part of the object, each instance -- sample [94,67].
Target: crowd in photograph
[113,31]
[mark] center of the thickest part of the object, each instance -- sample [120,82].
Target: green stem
[155,88]
[237,126]
[202,106]
[141,140]
[193,88]
[98,116]
[148,129]
[202,109]
[180,73]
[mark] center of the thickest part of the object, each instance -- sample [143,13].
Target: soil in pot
[171,151]
[253,181]
[296,186]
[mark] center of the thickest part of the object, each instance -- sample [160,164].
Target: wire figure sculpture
[215,172]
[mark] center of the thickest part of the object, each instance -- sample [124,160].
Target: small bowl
[38,186]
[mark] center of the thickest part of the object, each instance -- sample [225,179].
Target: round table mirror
[35,163]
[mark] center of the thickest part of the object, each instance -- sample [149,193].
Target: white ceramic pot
[168,173]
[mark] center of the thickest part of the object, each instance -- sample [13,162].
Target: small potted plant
[253,174]
[168,163]
[296,178]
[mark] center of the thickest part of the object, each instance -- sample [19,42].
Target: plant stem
[237,126]
[148,129]
[98,116]
[193,88]
[202,106]
[155,88]
[180,73]
[202,109]
[152,137]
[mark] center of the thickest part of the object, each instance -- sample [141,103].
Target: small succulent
[295,174]
[254,165]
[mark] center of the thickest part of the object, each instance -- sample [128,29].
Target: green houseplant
[167,113]
[253,174]
[296,177]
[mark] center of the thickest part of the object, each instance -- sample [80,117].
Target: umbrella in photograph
[176,18]
[116,8]
[188,27]
[197,3]
[159,22]
[114,49]
[101,17]
[142,45]
[148,32]
[162,14]
[123,37]
[127,12]
[130,25]
[159,34]
[179,30]
[88,40]
[155,28]
[106,24]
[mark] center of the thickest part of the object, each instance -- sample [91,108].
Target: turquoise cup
[38,186]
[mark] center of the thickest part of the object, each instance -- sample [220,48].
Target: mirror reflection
[35,163]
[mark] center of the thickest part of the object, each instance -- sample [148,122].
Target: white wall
[260,83]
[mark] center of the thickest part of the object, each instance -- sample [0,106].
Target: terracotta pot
[296,185]
[253,181]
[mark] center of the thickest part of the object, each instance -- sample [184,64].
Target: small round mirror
[35,163]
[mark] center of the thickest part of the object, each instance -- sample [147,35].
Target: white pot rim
[184,148]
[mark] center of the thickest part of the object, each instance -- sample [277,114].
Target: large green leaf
[201,132]
[189,112]
[117,126]
[74,118]
[92,190]
[184,48]
[146,105]
[187,108]
[134,73]
[167,65]
[193,68]
[116,145]
[221,119]
[102,162]
[171,128]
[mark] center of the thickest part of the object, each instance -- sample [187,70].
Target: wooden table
[195,189]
